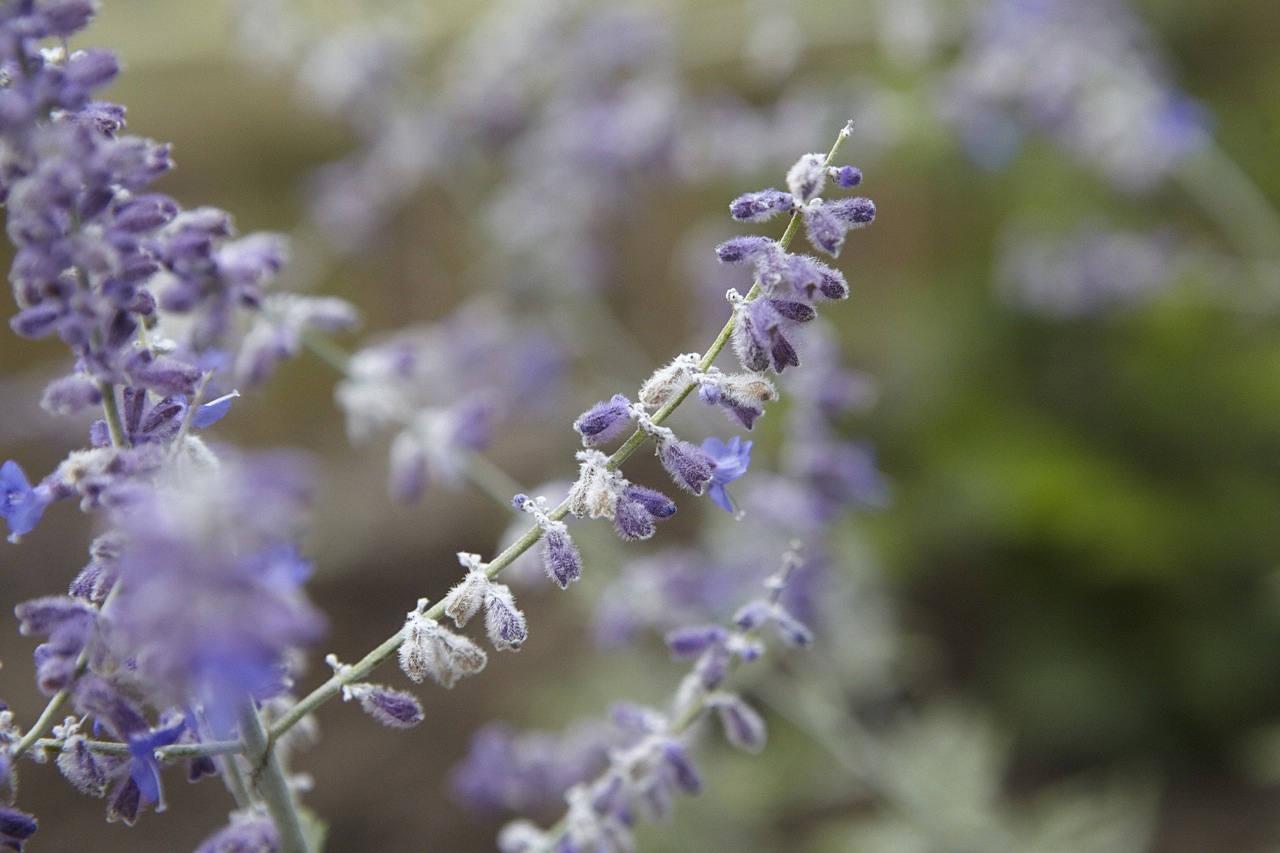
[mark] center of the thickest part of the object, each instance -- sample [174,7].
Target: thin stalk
[111,414]
[270,783]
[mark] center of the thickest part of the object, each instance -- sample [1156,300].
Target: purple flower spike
[731,461]
[760,206]
[689,467]
[20,505]
[604,421]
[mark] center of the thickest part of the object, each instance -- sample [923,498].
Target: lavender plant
[180,639]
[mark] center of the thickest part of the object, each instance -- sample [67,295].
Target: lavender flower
[210,607]
[394,708]
[604,421]
[743,726]
[1083,72]
[761,206]
[689,466]
[427,649]
[730,462]
[560,557]
[20,505]
[741,395]
[506,771]
[248,832]
[651,764]
[637,509]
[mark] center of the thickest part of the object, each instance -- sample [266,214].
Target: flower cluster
[787,284]
[443,389]
[648,760]
[1084,72]
[191,607]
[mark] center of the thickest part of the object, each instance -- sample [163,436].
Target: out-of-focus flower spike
[688,643]
[743,726]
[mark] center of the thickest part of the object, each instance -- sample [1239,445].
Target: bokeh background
[1068,309]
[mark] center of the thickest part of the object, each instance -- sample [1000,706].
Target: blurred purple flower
[16,828]
[211,606]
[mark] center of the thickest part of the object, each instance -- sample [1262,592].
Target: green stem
[174,752]
[270,782]
[327,351]
[1227,193]
[492,480]
[111,414]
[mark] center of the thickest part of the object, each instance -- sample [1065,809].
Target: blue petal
[20,505]
[212,412]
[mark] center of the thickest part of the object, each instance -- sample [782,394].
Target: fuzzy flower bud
[393,708]
[504,623]
[560,556]
[604,421]
[760,206]
[596,491]
[689,467]
[806,178]
[742,250]
[429,649]
[845,177]
[668,381]
[465,599]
